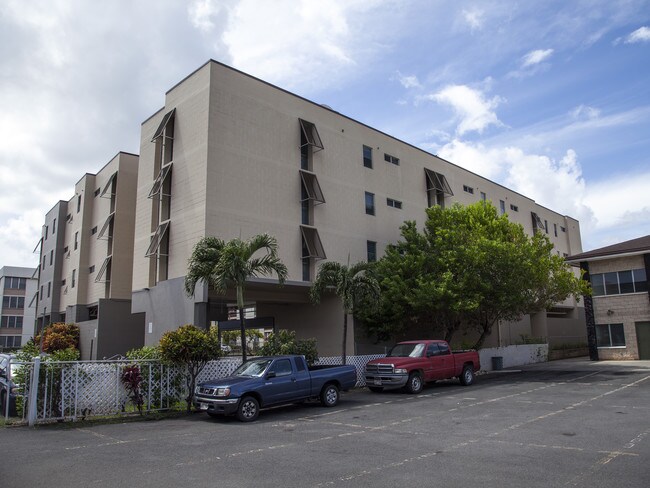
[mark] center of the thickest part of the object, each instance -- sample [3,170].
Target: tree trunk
[345,337]
[487,329]
[243,334]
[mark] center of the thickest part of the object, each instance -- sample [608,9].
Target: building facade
[86,260]
[231,156]
[618,312]
[17,286]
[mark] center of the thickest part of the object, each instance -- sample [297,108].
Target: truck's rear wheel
[248,410]
[329,396]
[467,376]
[414,384]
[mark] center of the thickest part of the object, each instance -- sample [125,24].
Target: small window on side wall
[367,156]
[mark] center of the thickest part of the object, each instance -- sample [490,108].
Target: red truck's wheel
[414,384]
[467,376]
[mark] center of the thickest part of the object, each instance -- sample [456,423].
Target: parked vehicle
[268,381]
[8,388]
[411,364]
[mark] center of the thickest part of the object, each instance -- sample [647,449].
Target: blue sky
[550,98]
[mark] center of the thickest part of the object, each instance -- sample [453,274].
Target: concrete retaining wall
[514,355]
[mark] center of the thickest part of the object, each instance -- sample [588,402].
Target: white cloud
[536,57]
[408,81]
[474,18]
[584,112]
[473,111]
[642,34]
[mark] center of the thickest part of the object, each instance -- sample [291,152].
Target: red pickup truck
[411,364]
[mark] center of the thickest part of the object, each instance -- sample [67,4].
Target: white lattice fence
[358,361]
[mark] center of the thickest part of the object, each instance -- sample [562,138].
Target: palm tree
[351,284]
[223,264]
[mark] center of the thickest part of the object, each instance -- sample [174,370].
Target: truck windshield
[406,350]
[254,367]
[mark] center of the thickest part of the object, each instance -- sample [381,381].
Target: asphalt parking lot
[567,423]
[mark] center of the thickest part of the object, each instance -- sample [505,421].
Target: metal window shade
[108,184]
[537,221]
[160,180]
[312,242]
[156,239]
[438,182]
[312,186]
[104,228]
[311,134]
[103,269]
[163,124]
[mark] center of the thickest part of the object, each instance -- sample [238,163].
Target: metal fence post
[33,393]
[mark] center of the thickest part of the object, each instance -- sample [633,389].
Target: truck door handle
[293,379]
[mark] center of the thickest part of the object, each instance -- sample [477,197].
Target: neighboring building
[86,261]
[17,286]
[232,156]
[618,312]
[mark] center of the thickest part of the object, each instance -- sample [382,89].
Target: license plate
[377,381]
[203,406]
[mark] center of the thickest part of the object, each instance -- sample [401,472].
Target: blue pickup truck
[268,381]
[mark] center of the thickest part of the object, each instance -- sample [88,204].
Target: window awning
[34,298]
[103,269]
[311,135]
[105,227]
[437,182]
[537,222]
[312,186]
[156,239]
[169,117]
[109,185]
[312,242]
[37,249]
[160,180]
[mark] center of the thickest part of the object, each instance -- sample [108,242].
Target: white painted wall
[514,355]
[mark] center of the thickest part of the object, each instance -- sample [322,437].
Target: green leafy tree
[285,342]
[230,264]
[469,269]
[192,348]
[59,336]
[351,284]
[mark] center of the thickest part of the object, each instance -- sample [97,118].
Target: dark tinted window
[444,348]
[300,364]
[281,367]
[611,283]
[432,350]
[625,281]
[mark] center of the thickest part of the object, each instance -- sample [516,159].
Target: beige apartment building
[17,286]
[618,312]
[86,261]
[230,156]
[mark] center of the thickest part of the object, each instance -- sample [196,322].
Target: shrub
[59,336]
[285,342]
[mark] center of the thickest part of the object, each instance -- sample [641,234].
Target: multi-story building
[86,260]
[618,312]
[230,156]
[17,286]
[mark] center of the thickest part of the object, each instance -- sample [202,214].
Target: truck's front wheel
[329,397]
[414,384]
[248,410]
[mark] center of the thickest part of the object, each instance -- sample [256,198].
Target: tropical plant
[192,348]
[132,380]
[351,284]
[59,336]
[284,342]
[223,264]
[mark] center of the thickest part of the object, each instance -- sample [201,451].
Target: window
[367,157]
[110,185]
[9,341]
[65,249]
[13,302]
[76,240]
[46,231]
[546,226]
[74,277]
[78,203]
[619,282]
[44,262]
[437,188]
[370,203]
[555,229]
[159,182]
[156,240]
[563,229]
[514,208]
[371,247]
[12,322]
[610,335]
[42,296]
[311,135]
[538,225]
[391,159]
[312,187]
[51,257]
[49,288]
[91,270]
[15,283]
[483,196]
[93,231]
[281,367]
[53,226]
[312,245]
[468,189]
[107,226]
[63,282]
[393,203]
[502,206]
[97,192]
[104,273]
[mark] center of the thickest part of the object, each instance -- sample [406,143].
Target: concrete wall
[118,329]
[514,355]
